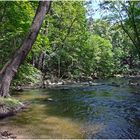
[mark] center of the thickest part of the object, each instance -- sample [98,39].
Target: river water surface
[105,110]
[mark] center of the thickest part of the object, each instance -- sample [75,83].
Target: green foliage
[67,33]
[15,20]
[125,56]
[74,44]
[98,56]
[126,15]
[27,74]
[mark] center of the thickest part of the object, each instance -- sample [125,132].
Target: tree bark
[11,67]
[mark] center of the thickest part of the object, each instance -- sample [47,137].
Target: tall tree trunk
[10,69]
[41,61]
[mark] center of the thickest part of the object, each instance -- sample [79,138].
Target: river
[105,110]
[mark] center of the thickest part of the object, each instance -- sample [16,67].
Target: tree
[97,57]
[122,47]
[10,69]
[126,13]
[67,34]
[16,18]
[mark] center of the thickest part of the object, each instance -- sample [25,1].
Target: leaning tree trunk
[10,69]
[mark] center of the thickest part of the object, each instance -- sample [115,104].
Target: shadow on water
[103,111]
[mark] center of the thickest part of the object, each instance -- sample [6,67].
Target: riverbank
[84,81]
[10,106]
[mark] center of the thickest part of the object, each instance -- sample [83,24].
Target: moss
[9,102]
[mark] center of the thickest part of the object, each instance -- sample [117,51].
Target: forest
[68,45]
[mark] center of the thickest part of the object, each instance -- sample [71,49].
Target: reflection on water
[102,111]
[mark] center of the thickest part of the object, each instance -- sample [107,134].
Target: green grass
[9,102]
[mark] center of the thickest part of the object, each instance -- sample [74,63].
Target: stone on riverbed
[7,135]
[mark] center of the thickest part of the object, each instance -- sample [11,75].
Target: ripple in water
[101,111]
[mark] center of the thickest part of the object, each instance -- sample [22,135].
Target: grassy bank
[9,106]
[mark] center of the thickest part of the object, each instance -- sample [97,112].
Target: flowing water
[105,110]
